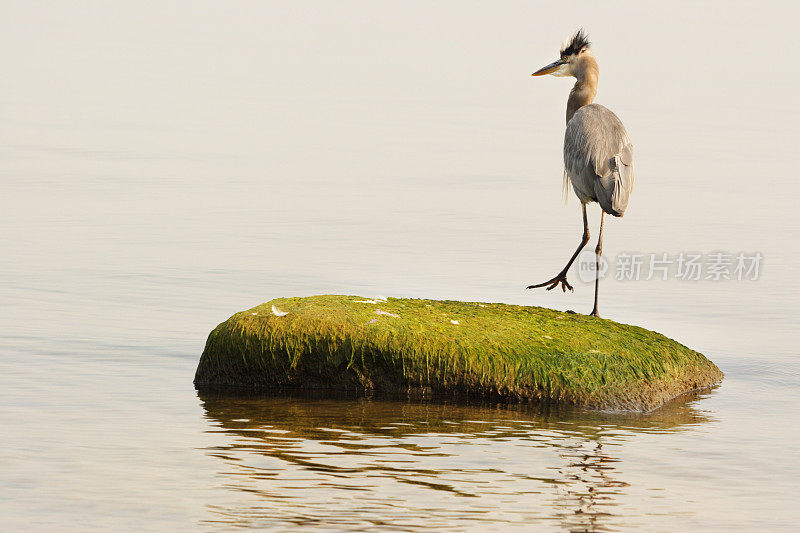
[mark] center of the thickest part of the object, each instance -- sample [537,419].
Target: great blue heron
[598,155]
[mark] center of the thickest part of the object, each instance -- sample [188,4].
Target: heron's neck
[585,88]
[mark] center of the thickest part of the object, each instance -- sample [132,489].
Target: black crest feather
[578,42]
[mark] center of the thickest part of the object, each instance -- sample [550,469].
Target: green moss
[497,350]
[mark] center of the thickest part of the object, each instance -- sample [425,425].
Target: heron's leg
[597,252]
[562,276]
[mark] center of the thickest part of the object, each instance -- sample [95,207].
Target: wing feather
[598,158]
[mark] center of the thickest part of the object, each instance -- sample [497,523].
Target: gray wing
[598,158]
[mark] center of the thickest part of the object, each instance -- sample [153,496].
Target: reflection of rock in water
[341,463]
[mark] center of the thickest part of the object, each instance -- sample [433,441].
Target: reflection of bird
[598,155]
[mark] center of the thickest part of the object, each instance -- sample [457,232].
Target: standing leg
[562,276]
[597,252]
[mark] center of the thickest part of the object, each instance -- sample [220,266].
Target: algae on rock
[449,347]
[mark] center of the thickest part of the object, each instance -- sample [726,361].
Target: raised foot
[553,283]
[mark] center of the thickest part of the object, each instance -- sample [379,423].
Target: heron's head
[575,55]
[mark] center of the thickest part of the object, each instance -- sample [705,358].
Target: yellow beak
[549,69]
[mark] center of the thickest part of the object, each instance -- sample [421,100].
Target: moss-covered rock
[446,347]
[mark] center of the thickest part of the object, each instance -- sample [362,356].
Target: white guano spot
[454,322]
[387,313]
[278,312]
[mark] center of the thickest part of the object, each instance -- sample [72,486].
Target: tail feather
[613,188]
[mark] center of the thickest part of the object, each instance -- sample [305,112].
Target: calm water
[164,167]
